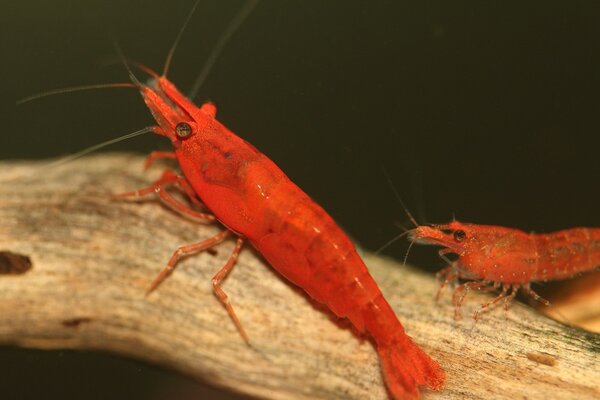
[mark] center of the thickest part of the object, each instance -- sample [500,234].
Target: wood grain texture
[92,259]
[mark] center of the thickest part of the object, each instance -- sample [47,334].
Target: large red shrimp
[255,202]
[507,259]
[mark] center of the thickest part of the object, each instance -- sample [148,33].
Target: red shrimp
[495,257]
[256,202]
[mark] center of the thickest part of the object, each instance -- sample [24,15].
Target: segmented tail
[406,367]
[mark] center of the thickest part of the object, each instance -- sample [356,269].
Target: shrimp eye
[460,235]
[183,130]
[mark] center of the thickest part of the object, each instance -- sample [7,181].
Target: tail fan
[406,367]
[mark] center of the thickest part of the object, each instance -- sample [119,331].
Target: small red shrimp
[506,259]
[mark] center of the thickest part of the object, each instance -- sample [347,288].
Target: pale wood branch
[93,259]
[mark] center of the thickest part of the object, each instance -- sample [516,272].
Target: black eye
[460,235]
[183,130]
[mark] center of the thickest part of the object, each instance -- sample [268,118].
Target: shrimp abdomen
[308,248]
[305,245]
[565,253]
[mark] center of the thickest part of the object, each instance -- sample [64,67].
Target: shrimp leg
[157,155]
[529,291]
[448,275]
[185,251]
[184,185]
[462,290]
[222,296]
[508,299]
[169,178]
[504,294]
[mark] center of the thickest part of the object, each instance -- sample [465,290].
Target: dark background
[488,112]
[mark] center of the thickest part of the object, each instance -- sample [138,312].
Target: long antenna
[98,146]
[407,251]
[74,89]
[391,241]
[235,23]
[71,157]
[135,84]
[389,181]
[132,76]
[177,39]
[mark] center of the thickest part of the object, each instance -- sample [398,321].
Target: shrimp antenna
[74,89]
[389,181]
[132,76]
[134,63]
[392,241]
[142,67]
[177,39]
[135,83]
[235,23]
[98,146]
[408,251]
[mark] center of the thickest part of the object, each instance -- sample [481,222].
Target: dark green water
[485,111]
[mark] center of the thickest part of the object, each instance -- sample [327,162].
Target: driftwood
[75,265]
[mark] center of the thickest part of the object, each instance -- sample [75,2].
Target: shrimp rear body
[253,198]
[305,245]
[565,253]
